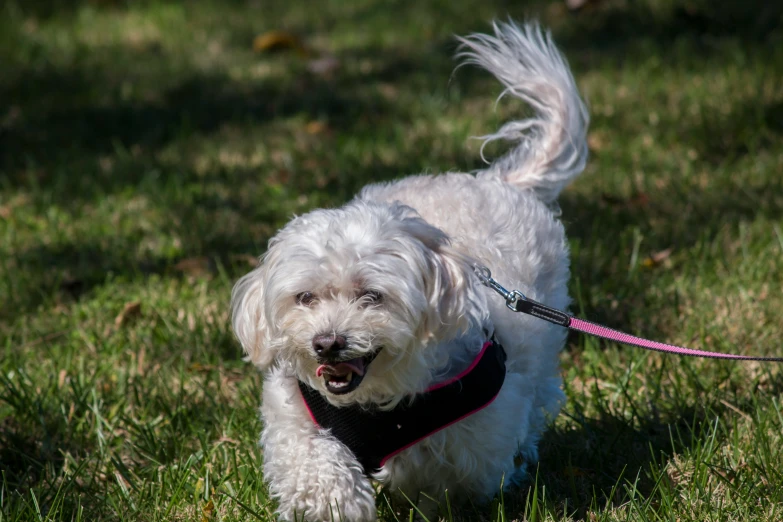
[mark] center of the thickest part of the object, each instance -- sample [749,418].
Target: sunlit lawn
[147,153]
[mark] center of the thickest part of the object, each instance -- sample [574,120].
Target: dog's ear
[454,304]
[249,320]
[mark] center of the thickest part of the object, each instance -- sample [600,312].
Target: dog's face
[351,299]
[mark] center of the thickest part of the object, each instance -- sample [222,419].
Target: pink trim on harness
[309,411]
[374,435]
[461,375]
[393,453]
[464,372]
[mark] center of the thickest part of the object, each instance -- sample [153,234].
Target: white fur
[414,241]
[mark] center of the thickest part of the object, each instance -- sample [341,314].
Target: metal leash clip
[511,297]
[518,302]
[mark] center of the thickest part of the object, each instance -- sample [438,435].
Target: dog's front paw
[329,498]
[318,482]
[356,505]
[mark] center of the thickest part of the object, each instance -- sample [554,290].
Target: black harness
[375,435]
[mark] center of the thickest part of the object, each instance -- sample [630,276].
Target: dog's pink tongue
[342,368]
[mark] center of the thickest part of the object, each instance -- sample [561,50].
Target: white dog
[372,306]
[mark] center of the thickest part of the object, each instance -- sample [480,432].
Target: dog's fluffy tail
[552,145]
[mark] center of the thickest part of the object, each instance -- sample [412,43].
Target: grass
[147,154]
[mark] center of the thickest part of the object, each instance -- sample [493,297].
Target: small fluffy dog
[374,303]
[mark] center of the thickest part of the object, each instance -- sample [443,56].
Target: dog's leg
[312,475]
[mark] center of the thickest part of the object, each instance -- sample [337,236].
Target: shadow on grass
[202,104]
[40,440]
[590,467]
[594,463]
[678,219]
[34,442]
[213,230]
[611,29]
[748,128]
[198,105]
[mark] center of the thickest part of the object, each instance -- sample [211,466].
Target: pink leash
[516,301]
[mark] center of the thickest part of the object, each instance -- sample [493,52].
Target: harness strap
[375,435]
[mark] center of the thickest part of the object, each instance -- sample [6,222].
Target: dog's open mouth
[345,376]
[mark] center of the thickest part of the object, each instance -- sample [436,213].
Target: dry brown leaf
[198,367]
[131,311]
[252,261]
[195,266]
[657,258]
[639,200]
[207,511]
[596,141]
[315,127]
[278,41]
[140,360]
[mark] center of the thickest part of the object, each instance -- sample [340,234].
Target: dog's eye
[305,298]
[371,297]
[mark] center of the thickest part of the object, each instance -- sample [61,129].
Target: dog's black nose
[328,344]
